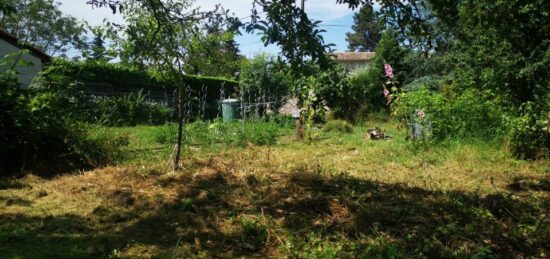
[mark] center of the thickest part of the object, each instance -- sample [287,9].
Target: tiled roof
[35,51]
[353,56]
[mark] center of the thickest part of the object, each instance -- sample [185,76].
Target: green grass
[343,196]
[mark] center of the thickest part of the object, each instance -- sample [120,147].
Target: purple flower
[386,92]
[389,70]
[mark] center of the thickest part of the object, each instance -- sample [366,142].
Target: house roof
[353,56]
[34,51]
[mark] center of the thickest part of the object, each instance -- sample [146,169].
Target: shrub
[338,126]
[529,135]
[38,130]
[330,87]
[202,94]
[469,115]
[369,90]
[131,109]
[365,88]
[263,79]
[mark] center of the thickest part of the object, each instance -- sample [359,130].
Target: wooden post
[299,130]
[180,131]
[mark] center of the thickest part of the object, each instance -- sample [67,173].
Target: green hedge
[132,80]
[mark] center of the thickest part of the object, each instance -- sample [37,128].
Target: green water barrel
[229,109]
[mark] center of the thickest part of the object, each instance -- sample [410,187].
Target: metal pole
[303,4]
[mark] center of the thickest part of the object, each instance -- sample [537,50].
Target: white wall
[27,73]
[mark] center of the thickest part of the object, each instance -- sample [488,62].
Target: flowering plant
[389,70]
[390,83]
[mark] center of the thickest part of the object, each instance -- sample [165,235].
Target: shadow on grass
[300,214]
[526,184]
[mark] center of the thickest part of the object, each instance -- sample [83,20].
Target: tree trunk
[180,131]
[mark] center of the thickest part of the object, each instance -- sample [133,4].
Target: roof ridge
[34,50]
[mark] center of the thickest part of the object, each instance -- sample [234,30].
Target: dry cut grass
[343,196]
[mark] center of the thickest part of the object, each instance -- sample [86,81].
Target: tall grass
[218,132]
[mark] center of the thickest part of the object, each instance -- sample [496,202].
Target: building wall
[26,73]
[354,66]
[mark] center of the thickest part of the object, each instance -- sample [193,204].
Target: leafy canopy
[42,24]
[367,30]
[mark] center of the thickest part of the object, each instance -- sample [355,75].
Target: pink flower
[386,92]
[421,114]
[389,70]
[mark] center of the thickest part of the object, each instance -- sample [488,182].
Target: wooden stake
[299,130]
[180,131]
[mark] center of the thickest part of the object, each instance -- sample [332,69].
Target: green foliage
[312,110]
[331,88]
[212,50]
[96,49]
[38,129]
[529,133]
[131,109]
[284,121]
[42,24]
[338,126]
[369,92]
[218,132]
[263,79]
[289,27]
[451,116]
[201,93]
[367,30]
[366,86]
[389,51]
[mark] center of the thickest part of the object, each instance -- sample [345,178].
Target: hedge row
[200,91]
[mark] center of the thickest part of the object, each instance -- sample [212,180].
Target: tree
[6,8]
[42,24]
[158,35]
[367,30]
[212,50]
[264,79]
[290,28]
[96,49]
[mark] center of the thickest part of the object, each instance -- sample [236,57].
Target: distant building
[10,44]
[353,61]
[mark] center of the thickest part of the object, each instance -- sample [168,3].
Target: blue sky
[337,20]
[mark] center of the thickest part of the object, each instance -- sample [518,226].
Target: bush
[262,79]
[38,130]
[469,115]
[369,89]
[202,94]
[365,88]
[131,109]
[330,88]
[338,126]
[529,135]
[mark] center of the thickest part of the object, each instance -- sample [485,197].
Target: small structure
[229,109]
[9,44]
[353,61]
[376,133]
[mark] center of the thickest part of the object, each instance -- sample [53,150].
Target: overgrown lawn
[341,196]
